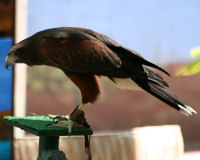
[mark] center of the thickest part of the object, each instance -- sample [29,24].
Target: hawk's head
[22,52]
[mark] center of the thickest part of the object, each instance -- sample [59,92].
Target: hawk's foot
[61,121]
[76,118]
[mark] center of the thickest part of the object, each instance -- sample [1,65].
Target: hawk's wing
[79,53]
[108,53]
[120,50]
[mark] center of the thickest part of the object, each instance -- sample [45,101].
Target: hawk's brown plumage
[84,54]
[88,85]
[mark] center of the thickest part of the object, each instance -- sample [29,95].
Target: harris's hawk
[84,55]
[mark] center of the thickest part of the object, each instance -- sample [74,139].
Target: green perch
[49,136]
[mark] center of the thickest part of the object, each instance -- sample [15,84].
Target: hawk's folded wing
[79,54]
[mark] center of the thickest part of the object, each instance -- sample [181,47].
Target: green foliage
[193,68]
[195,52]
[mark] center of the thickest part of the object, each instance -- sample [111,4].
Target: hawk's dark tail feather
[164,95]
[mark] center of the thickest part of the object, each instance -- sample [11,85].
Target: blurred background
[6,77]
[163,32]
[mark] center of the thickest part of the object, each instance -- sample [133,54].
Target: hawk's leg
[76,118]
[90,90]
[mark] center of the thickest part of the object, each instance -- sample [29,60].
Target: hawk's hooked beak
[10,60]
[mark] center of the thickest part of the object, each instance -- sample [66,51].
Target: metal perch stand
[49,136]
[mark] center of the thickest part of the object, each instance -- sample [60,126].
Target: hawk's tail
[164,95]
